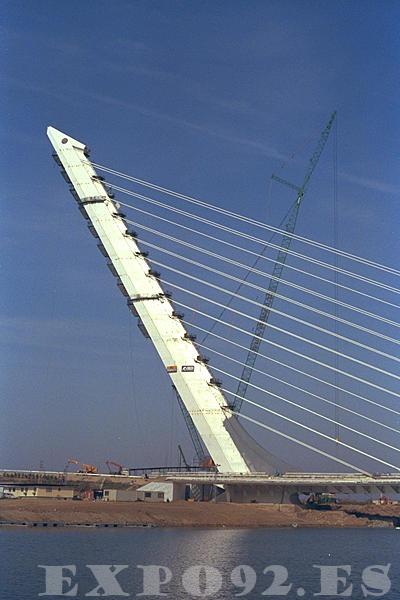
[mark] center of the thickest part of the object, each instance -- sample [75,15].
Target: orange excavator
[85,468]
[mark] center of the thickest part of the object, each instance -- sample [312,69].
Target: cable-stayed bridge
[326,379]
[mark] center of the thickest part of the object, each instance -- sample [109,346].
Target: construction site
[230,465]
[197,500]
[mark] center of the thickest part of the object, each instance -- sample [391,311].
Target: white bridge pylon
[368,348]
[231,447]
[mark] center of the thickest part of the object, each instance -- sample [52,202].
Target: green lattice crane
[289,227]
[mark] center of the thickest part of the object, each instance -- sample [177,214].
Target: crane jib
[289,226]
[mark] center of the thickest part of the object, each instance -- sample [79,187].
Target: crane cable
[319,433]
[239,297]
[296,440]
[250,237]
[289,350]
[298,388]
[283,399]
[280,329]
[260,256]
[262,274]
[246,299]
[249,220]
[249,271]
[336,259]
[287,366]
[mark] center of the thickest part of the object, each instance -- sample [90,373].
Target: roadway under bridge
[284,489]
[241,488]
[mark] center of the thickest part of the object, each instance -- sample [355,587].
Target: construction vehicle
[383,500]
[120,469]
[88,468]
[85,467]
[208,463]
[322,501]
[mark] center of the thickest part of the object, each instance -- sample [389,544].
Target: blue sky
[208,98]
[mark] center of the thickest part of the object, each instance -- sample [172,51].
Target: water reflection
[297,550]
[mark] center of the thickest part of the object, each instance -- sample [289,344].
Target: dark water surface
[23,549]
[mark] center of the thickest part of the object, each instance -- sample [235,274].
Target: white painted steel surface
[230,446]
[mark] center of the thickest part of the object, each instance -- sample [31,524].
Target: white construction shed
[118,495]
[159,491]
[29,491]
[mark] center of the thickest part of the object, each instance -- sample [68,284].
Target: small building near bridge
[119,495]
[32,491]
[160,491]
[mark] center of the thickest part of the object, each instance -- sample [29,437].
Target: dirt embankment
[182,514]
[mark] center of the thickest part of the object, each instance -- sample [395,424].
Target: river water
[199,563]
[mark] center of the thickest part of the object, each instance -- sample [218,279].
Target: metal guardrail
[317,479]
[172,470]
[53,477]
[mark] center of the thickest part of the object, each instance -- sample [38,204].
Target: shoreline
[53,513]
